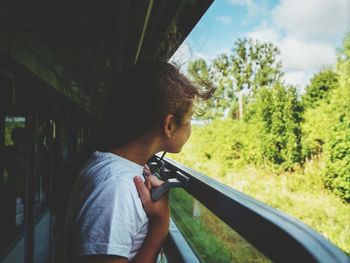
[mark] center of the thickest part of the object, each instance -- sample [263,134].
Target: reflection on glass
[43,140]
[12,178]
[211,239]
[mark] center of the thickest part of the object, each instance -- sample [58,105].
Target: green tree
[337,175]
[337,149]
[223,80]
[255,64]
[326,128]
[276,114]
[343,65]
[202,73]
[320,86]
[250,66]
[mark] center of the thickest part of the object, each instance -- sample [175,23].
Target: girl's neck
[138,151]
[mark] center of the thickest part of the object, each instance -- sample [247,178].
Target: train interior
[57,59]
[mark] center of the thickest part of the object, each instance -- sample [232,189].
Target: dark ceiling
[76,46]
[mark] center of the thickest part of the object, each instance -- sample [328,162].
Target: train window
[209,237]
[44,143]
[42,165]
[12,177]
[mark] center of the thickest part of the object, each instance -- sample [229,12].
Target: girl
[111,217]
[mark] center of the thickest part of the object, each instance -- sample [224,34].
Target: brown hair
[142,96]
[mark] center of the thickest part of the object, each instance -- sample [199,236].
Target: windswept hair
[142,95]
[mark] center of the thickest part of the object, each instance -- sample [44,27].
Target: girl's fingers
[150,180]
[148,183]
[147,168]
[142,189]
[155,182]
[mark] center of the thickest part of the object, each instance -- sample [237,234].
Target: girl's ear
[169,125]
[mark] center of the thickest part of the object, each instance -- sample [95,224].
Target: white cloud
[264,33]
[299,55]
[251,6]
[322,20]
[247,3]
[298,78]
[300,58]
[255,9]
[306,33]
[224,19]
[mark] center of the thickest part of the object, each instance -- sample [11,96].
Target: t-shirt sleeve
[110,220]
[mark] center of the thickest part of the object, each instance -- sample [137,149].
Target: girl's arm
[159,219]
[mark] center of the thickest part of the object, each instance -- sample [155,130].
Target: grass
[300,194]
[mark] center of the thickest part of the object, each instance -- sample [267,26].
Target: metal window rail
[176,248]
[280,237]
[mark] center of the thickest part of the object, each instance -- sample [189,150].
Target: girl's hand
[156,210]
[151,180]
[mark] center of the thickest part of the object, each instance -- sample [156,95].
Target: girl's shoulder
[108,168]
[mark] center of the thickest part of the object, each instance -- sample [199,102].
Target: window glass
[45,130]
[12,177]
[42,163]
[210,238]
[277,127]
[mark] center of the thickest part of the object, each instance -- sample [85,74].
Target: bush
[276,112]
[337,175]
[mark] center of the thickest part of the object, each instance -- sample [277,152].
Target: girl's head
[150,95]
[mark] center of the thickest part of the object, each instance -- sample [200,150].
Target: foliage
[255,64]
[337,152]
[343,65]
[290,152]
[278,130]
[252,65]
[320,86]
[202,73]
[326,136]
[277,111]
[326,128]
[300,193]
[12,122]
[269,136]
[221,146]
[315,130]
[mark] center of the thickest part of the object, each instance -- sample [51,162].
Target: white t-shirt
[105,214]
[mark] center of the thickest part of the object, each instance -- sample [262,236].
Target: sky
[307,32]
